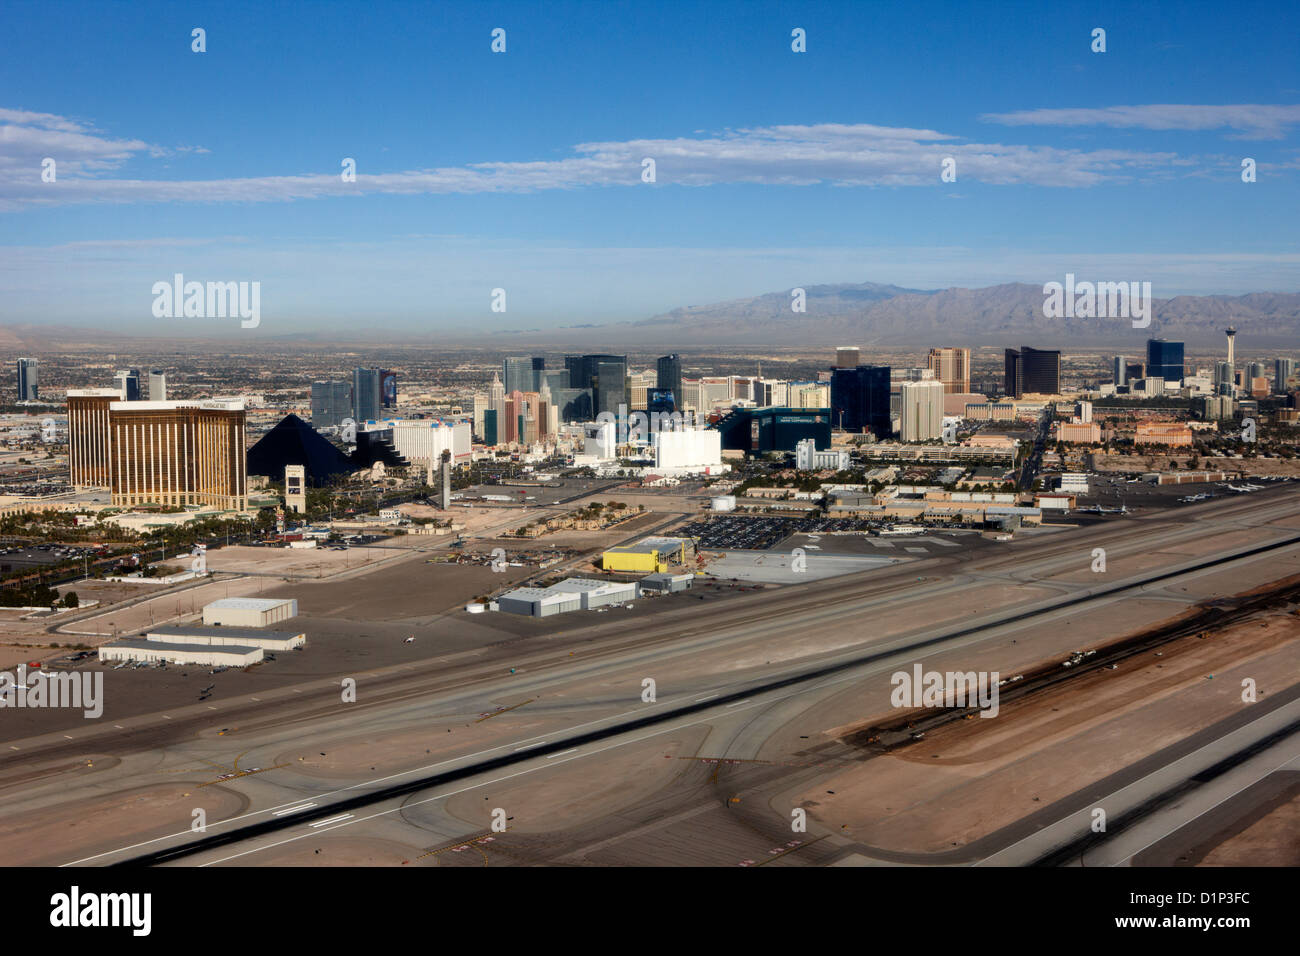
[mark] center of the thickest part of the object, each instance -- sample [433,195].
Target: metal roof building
[137,649]
[667,583]
[571,594]
[228,636]
[249,612]
[538,602]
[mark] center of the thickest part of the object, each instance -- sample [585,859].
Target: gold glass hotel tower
[88,435]
[160,453]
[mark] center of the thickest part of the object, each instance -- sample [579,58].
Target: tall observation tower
[1231,333]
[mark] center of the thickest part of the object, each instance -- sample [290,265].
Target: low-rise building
[227,636]
[808,458]
[667,583]
[1074,483]
[1079,432]
[207,655]
[571,594]
[249,612]
[1163,433]
[649,555]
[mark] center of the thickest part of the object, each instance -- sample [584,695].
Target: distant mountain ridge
[866,314]
[872,314]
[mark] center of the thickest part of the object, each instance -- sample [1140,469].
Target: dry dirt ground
[968,779]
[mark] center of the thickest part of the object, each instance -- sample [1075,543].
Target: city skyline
[599,435]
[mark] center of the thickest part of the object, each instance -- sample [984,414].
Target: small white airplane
[409,640]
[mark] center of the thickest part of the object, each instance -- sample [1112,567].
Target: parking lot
[739,532]
[533,495]
[17,556]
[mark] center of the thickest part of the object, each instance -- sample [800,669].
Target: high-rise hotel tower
[162,453]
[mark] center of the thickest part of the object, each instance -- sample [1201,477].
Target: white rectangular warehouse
[249,612]
[538,602]
[228,637]
[571,594]
[136,649]
[597,593]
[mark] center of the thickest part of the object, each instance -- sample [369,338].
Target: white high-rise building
[157,386]
[770,391]
[809,395]
[423,441]
[599,440]
[921,410]
[688,450]
[480,406]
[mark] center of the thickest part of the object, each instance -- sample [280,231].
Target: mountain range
[869,314]
[865,314]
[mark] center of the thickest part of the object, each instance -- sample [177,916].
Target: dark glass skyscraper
[367,395]
[611,386]
[1165,360]
[1032,371]
[331,402]
[605,375]
[668,371]
[517,375]
[128,381]
[860,399]
[28,380]
[572,404]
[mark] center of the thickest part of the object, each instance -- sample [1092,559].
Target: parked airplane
[1100,510]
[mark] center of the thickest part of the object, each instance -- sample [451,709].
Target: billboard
[388,388]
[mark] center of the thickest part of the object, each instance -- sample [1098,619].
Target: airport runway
[732,684]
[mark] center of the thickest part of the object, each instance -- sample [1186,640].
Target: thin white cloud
[1251,121]
[820,154]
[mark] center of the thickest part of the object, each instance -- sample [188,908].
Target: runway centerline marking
[323,823]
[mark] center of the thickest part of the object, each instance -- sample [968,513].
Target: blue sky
[522,170]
